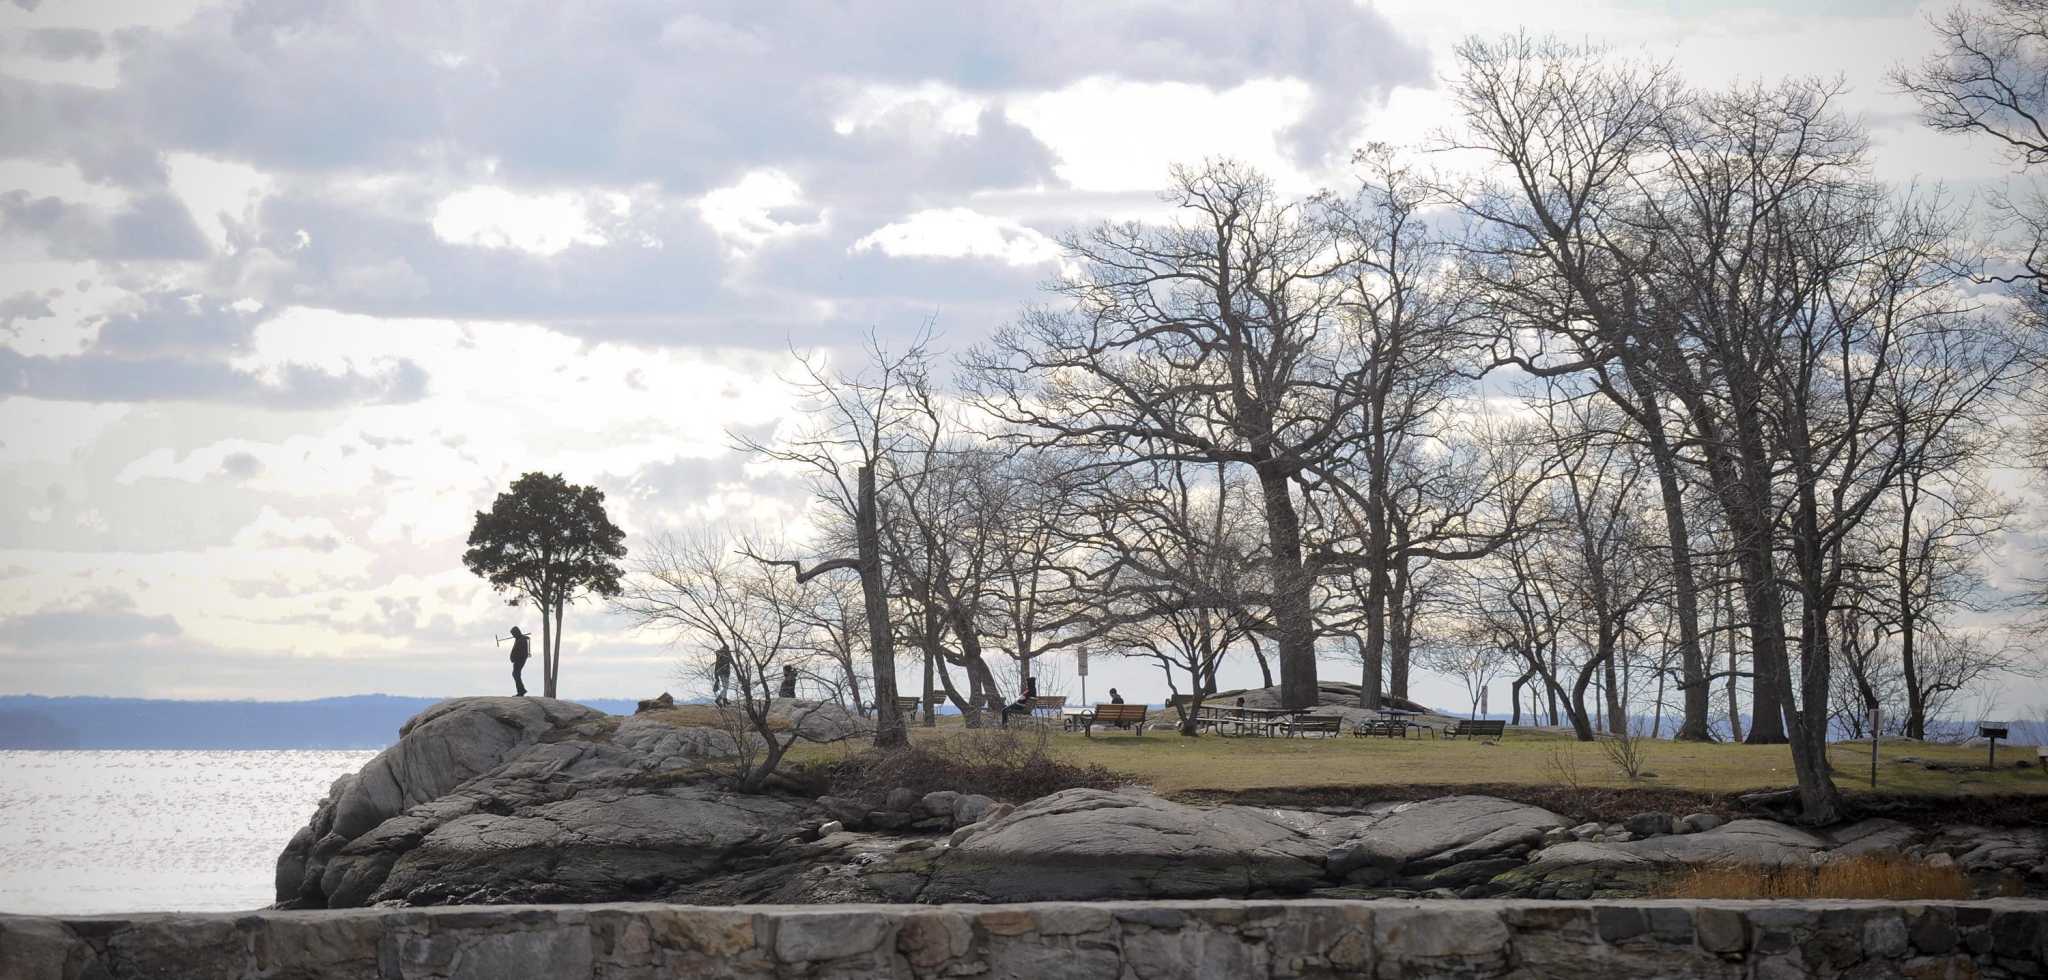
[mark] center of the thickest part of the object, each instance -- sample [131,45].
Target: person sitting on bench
[1115,698]
[1023,704]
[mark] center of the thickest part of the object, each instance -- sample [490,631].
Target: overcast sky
[289,289]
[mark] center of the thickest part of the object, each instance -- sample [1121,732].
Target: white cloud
[220,194]
[941,108]
[493,217]
[756,210]
[1116,135]
[960,233]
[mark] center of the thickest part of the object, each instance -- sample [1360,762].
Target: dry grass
[1171,764]
[1886,876]
[1012,765]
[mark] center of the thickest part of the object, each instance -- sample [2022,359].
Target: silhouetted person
[520,655]
[1115,698]
[1021,706]
[788,683]
[721,675]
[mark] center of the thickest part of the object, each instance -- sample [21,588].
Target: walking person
[520,655]
[721,675]
[788,692]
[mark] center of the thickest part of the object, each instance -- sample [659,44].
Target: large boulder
[1086,844]
[1413,839]
[608,845]
[481,799]
[444,747]
[1095,844]
[1584,869]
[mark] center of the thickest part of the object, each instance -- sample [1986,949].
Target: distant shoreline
[353,722]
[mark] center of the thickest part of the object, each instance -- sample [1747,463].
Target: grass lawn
[1171,764]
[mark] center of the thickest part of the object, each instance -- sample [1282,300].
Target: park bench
[1115,714]
[1047,708]
[1324,726]
[1477,729]
[1382,727]
[907,707]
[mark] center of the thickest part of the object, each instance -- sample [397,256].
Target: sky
[290,289]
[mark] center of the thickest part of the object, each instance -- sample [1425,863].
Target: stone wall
[1310,938]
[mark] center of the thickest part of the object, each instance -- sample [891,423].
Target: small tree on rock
[550,541]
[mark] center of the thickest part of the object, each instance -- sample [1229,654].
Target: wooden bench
[907,707]
[1381,727]
[1477,729]
[1115,714]
[1325,726]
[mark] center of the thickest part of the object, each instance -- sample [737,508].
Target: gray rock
[481,798]
[1868,837]
[1094,844]
[592,847]
[1431,834]
[1649,825]
[939,803]
[1579,869]
[1585,830]
[902,799]
[443,747]
[1693,823]
[830,827]
[971,808]
[848,812]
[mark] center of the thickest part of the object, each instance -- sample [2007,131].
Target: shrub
[1008,764]
[1627,752]
[1887,876]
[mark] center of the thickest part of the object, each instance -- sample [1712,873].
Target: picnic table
[1252,721]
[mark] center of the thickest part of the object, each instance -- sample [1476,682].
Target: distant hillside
[364,721]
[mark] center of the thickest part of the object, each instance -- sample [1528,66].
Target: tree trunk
[889,724]
[1401,630]
[1293,619]
[931,711]
[555,676]
[1369,674]
[1372,647]
[1916,702]
[1734,662]
[1259,654]
[1684,585]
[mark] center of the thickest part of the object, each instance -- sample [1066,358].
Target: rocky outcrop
[528,799]
[1095,844]
[1299,939]
[507,800]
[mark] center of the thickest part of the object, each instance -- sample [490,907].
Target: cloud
[493,217]
[101,619]
[155,226]
[64,43]
[960,233]
[763,206]
[105,378]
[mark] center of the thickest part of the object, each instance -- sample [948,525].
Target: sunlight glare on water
[106,831]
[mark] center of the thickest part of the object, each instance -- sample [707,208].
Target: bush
[1008,764]
[1886,876]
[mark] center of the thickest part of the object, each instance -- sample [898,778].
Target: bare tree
[737,618]
[1211,340]
[858,425]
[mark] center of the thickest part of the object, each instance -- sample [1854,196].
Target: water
[125,831]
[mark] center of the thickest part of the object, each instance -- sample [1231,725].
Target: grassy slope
[1171,764]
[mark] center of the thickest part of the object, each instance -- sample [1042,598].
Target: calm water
[127,831]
